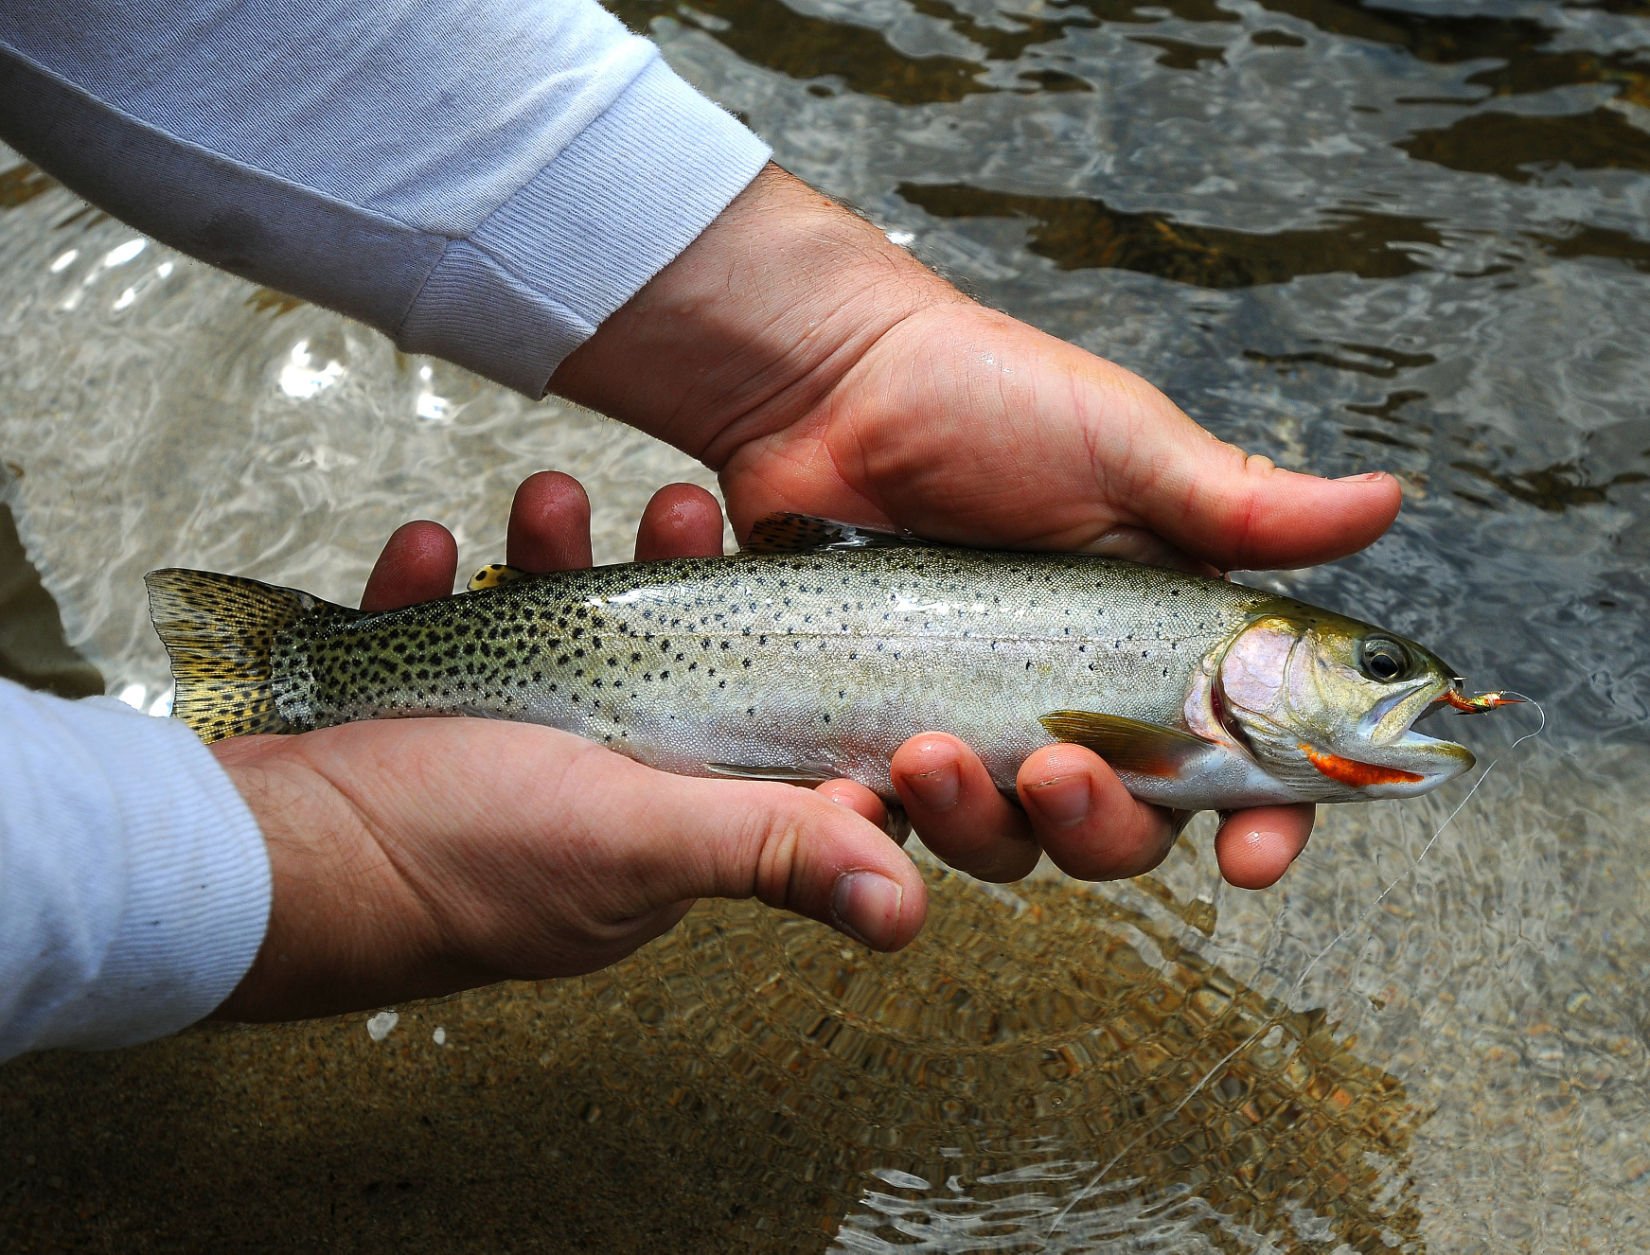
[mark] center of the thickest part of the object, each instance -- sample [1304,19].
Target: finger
[893,821]
[788,847]
[681,521]
[1087,821]
[857,798]
[958,810]
[1242,512]
[1270,517]
[418,563]
[1255,847]
[549,524]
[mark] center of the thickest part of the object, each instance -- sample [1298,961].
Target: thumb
[1242,512]
[788,847]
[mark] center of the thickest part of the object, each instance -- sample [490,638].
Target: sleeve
[134,883]
[484,180]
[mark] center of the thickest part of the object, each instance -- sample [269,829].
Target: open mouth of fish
[1424,703]
[1395,750]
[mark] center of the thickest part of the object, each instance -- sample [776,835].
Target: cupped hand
[820,368]
[1069,803]
[415,857]
[961,424]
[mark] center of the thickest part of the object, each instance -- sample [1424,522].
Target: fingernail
[937,789]
[1367,477]
[1063,801]
[866,905]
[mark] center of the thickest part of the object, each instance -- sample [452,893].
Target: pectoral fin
[492,575]
[1149,749]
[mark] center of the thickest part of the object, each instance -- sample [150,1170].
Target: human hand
[820,368]
[416,857]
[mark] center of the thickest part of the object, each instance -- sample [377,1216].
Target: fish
[820,647]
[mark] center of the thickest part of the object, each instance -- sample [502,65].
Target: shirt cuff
[513,298]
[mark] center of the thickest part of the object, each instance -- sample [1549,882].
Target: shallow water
[1410,236]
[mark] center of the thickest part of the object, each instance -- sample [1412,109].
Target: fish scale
[803,665]
[733,660]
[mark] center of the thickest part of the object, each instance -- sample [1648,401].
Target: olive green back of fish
[695,637]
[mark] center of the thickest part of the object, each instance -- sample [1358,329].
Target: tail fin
[219,631]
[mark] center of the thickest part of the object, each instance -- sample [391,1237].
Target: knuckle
[770,847]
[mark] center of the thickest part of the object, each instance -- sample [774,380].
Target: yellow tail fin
[219,631]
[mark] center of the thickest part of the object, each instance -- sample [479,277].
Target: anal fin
[787,775]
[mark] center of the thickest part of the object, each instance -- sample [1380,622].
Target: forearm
[563,189]
[485,180]
[134,887]
[753,324]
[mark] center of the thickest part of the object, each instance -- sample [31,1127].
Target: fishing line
[1300,981]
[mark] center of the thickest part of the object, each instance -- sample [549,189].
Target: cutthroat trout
[818,649]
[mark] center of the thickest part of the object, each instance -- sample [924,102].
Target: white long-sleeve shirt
[134,883]
[484,180]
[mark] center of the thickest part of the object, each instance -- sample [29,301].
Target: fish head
[1328,705]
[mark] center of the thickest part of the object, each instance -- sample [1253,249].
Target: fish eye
[1382,658]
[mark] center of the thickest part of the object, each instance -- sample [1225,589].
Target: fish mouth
[1396,752]
[1392,720]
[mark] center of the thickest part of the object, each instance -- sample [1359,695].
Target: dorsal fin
[798,533]
[492,575]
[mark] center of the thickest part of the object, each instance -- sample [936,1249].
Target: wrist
[753,324]
[344,932]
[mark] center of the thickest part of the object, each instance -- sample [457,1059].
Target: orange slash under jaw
[1354,774]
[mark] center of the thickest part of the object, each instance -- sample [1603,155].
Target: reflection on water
[1090,1076]
[20,184]
[1549,488]
[1520,148]
[1077,233]
[32,648]
[1344,234]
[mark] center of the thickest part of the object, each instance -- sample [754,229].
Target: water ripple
[1348,235]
